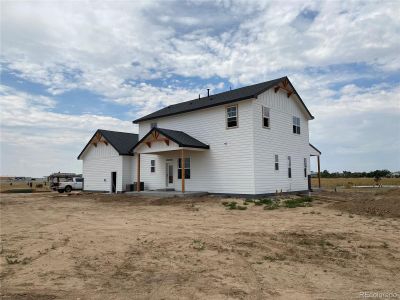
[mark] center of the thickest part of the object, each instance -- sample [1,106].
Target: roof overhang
[314,151]
[95,140]
[160,140]
[281,84]
[286,86]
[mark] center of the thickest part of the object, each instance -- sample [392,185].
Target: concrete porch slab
[167,194]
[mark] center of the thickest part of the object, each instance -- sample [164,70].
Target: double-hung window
[152,166]
[296,125]
[232,116]
[305,167]
[289,167]
[276,162]
[187,168]
[265,117]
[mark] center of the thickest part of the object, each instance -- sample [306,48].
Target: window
[276,162]
[289,167]
[305,167]
[153,125]
[152,166]
[265,116]
[187,168]
[232,116]
[296,125]
[79,179]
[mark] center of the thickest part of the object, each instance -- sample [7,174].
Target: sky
[71,67]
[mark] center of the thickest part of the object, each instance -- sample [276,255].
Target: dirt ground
[97,246]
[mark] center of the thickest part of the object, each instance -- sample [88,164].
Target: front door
[113,182]
[170,174]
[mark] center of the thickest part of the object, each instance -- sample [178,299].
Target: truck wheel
[61,191]
[68,189]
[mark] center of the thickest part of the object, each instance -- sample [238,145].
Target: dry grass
[333,182]
[6,187]
[96,246]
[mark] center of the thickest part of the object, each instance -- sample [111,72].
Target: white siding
[227,167]
[99,162]
[281,140]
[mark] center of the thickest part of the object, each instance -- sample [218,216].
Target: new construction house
[249,141]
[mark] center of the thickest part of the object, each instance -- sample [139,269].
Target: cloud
[341,56]
[98,45]
[36,141]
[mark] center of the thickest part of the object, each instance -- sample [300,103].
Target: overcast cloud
[71,67]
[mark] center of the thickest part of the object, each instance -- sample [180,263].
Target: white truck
[76,183]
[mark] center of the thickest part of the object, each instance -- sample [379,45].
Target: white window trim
[237,116]
[263,116]
[276,161]
[179,168]
[297,125]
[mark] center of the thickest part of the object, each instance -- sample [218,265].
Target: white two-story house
[249,141]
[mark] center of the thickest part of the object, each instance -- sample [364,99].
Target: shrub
[298,202]
[241,207]
[274,205]
[199,245]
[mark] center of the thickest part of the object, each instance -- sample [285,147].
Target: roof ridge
[115,131]
[217,94]
[223,98]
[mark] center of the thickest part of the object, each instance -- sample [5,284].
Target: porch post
[183,170]
[319,173]
[138,173]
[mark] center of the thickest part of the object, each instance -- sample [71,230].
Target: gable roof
[121,141]
[243,93]
[179,137]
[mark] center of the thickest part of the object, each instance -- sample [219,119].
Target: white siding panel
[227,167]
[98,163]
[280,140]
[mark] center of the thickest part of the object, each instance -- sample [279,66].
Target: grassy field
[6,187]
[98,246]
[333,182]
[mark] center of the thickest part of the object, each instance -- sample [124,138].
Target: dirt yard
[97,246]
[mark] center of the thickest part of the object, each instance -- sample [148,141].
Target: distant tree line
[348,174]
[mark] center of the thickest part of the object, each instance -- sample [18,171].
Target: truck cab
[76,183]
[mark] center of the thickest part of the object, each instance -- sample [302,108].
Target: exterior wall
[99,162]
[227,167]
[280,140]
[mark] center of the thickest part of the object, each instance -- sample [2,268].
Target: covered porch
[314,152]
[168,156]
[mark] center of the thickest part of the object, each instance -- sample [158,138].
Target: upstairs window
[265,117]
[232,116]
[152,166]
[153,125]
[276,162]
[296,125]
[289,167]
[305,167]
[187,168]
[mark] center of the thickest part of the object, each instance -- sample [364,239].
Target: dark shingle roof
[243,93]
[179,137]
[121,141]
